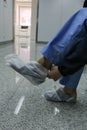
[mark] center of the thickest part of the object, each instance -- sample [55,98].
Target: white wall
[6,20]
[52,14]
[63,3]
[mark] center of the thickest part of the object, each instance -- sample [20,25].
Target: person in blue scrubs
[64,58]
[55,53]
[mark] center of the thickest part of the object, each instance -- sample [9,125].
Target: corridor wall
[6,20]
[51,16]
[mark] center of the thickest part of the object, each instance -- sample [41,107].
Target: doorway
[22,28]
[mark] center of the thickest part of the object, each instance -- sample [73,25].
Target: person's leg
[71,82]
[68,93]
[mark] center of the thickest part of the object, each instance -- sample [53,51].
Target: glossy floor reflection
[22,47]
[23,106]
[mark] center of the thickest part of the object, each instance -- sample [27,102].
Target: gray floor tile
[36,113]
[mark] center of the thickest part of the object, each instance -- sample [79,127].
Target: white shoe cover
[33,71]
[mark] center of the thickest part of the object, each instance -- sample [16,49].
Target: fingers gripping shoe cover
[32,70]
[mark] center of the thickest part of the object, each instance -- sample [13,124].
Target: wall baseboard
[6,42]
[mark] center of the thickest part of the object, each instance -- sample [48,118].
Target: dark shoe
[59,96]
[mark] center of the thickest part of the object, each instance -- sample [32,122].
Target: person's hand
[54,73]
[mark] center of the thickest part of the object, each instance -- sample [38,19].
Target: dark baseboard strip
[6,42]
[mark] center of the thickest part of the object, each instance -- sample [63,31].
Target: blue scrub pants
[71,81]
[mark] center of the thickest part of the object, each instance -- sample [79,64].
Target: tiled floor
[23,106]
